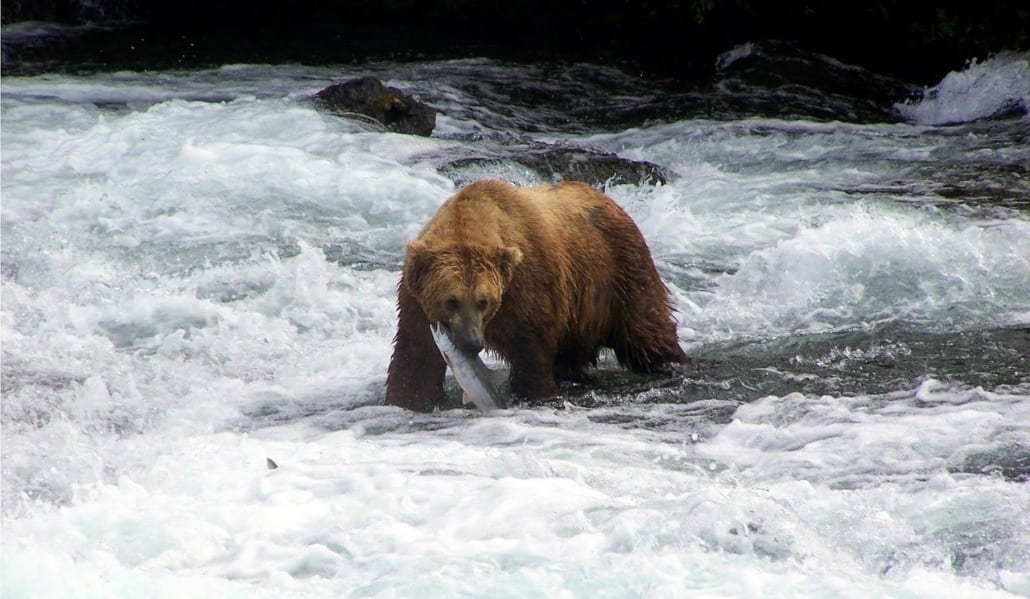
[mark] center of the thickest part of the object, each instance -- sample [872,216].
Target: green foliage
[700,9]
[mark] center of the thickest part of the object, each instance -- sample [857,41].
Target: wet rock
[388,105]
[549,162]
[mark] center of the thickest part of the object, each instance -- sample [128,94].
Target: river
[199,273]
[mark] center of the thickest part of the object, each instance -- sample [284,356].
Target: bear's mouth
[468,338]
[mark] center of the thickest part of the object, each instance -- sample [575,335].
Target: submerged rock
[1009,461]
[548,162]
[388,105]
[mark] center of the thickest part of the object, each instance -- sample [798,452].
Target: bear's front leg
[532,371]
[415,378]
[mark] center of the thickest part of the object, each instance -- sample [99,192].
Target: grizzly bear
[545,277]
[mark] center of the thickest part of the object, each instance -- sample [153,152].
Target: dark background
[917,41]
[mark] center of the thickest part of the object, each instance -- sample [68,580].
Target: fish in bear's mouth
[474,378]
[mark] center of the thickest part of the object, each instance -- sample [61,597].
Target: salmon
[474,378]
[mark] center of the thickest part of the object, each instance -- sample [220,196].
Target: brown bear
[543,276]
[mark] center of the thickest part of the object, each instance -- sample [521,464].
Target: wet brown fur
[550,274]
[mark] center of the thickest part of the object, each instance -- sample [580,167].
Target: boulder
[391,107]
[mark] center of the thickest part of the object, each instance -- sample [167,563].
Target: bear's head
[460,286]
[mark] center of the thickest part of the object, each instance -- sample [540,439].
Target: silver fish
[475,379]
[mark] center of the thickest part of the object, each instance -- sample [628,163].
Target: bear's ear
[507,259]
[416,265]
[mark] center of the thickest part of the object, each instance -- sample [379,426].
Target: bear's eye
[452,304]
[483,303]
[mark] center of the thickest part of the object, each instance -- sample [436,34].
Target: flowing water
[199,273]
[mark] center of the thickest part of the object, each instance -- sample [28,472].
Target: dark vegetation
[917,41]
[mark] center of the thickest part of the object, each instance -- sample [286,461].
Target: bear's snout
[467,336]
[470,342]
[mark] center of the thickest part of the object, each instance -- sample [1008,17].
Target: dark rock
[596,168]
[387,105]
[560,163]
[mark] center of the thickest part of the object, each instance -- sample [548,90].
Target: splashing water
[998,85]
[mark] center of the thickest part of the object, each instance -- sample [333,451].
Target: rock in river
[388,105]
